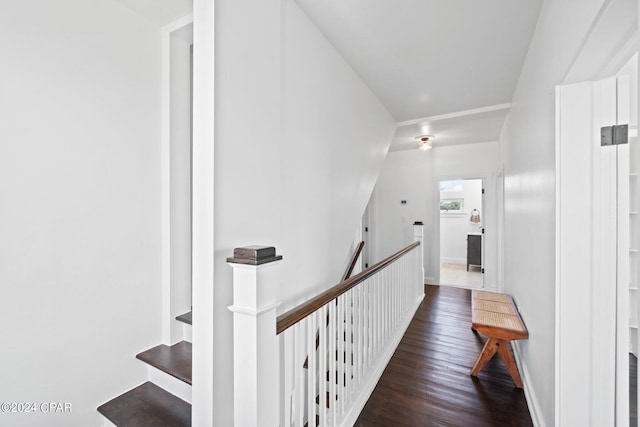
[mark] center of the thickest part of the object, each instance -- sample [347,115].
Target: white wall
[414,176]
[455,226]
[80,204]
[528,152]
[179,188]
[299,142]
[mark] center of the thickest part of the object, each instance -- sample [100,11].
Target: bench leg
[505,353]
[489,349]
[492,346]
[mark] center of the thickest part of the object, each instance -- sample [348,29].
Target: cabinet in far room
[474,249]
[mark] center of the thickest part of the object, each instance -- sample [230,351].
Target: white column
[418,236]
[255,343]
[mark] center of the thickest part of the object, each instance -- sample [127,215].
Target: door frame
[176,293]
[592,188]
[612,39]
[466,214]
[492,202]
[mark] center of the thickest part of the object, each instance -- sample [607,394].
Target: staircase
[165,399]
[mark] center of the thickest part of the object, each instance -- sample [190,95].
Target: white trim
[165,189]
[558,275]
[574,226]
[253,266]
[453,214]
[376,371]
[178,24]
[251,312]
[630,48]
[203,212]
[165,174]
[529,393]
[604,261]
[489,184]
[456,114]
[597,20]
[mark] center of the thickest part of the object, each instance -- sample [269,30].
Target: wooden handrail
[352,264]
[293,316]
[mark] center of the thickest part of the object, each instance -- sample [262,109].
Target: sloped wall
[299,143]
[336,135]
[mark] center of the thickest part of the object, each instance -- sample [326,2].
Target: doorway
[177,192]
[461,233]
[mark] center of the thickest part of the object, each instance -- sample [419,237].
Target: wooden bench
[496,316]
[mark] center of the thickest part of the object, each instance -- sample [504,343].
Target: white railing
[331,350]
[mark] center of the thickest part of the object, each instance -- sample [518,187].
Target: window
[451,205]
[451,186]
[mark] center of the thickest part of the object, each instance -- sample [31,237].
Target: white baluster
[342,338]
[349,347]
[366,287]
[312,328]
[322,365]
[300,341]
[331,375]
[287,362]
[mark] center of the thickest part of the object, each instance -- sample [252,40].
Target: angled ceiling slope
[425,58]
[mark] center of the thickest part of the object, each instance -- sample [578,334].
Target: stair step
[186,318]
[147,406]
[174,360]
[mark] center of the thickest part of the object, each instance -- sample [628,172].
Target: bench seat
[496,316]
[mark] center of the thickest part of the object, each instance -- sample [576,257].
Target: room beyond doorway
[461,233]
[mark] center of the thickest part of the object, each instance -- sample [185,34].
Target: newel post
[255,343]
[418,236]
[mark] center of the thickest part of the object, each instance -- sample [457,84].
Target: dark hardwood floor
[633,390]
[428,381]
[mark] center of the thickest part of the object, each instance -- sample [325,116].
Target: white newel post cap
[255,343]
[418,230]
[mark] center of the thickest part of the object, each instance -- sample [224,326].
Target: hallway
[456,274]
[427,381]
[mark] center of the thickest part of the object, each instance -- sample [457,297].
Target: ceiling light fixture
[424,142]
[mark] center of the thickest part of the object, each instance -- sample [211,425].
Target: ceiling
[433,59]
[467,127]
[447,68]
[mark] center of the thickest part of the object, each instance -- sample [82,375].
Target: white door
[592,279]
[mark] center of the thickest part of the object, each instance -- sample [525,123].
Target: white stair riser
[187,332]
[169,383]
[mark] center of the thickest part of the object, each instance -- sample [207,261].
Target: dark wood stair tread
[174,360]
[186,318]
[147,406]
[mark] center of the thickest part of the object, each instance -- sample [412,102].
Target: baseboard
[377,370]
[489,287]
[529,393]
